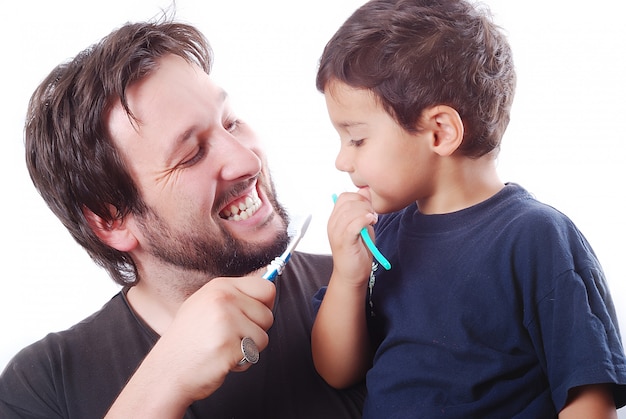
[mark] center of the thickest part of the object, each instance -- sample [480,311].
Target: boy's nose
[343,162]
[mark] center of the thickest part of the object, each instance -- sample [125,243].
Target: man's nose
[236,159]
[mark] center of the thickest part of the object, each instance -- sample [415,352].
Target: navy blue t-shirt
[495,311]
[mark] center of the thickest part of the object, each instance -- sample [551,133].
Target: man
[139,153]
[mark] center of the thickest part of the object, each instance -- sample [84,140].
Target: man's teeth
[244,210]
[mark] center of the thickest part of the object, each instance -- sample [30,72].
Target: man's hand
[200,347]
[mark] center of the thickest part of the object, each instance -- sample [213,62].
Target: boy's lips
[243,207]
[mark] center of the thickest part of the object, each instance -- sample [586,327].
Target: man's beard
[215,253]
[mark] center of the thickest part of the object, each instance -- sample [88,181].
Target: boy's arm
[339,339]
[340,342]
[590,402]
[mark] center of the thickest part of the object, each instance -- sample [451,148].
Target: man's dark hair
[69,152]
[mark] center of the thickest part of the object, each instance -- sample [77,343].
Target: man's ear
[447,127]
[115,233]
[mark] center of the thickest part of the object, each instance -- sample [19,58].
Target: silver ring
[250,352]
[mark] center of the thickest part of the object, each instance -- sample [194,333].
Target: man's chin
[248,257]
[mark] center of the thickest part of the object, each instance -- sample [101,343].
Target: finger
[232,308]
[350,215]
[250,354]
[240,316]
[255,299]
[257,288]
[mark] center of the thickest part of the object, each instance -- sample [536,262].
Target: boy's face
[398,167]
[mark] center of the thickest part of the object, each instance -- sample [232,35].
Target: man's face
[201,173]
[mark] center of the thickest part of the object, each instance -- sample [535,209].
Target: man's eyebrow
[223,95]
[184,136]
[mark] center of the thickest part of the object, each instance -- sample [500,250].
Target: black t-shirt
[79,372]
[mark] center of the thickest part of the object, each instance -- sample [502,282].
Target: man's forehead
[167,105]
[168,83]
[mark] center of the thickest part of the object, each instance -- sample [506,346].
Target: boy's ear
[115,233]
[447,127]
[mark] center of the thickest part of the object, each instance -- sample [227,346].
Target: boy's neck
[461,183]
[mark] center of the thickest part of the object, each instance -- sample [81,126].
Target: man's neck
[159,294]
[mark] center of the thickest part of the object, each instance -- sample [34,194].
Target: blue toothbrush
[297,228]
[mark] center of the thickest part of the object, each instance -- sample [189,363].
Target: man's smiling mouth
[242,208]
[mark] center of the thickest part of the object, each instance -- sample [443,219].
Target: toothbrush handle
[375,252]
[274,269]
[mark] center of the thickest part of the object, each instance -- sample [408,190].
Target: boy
[495,304]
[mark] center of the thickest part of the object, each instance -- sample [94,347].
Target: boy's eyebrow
[349,124]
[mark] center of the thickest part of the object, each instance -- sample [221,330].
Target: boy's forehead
[345,99]
[339,89]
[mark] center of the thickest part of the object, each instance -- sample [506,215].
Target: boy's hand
[351,258]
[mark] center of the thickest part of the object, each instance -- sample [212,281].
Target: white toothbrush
[297,228]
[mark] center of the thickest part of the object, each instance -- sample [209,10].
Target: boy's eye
[232,125]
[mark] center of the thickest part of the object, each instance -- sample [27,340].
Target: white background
[565,143]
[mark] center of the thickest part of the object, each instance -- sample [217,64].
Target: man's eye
[195,158]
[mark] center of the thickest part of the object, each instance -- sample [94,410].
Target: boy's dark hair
[415,54]
[69,153]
